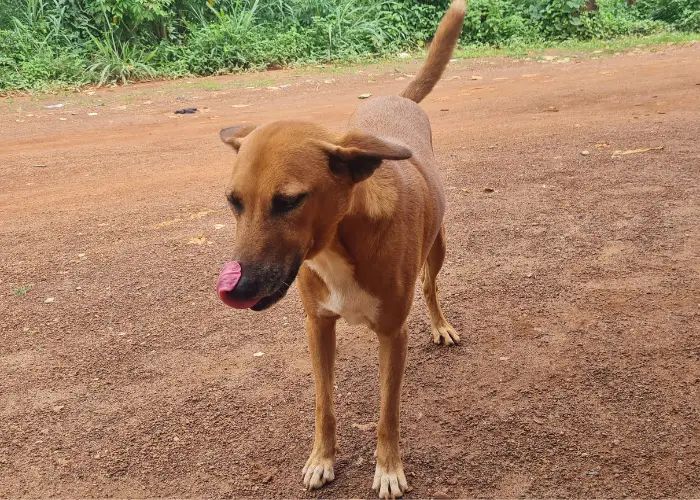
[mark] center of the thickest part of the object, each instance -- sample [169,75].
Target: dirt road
[573,277]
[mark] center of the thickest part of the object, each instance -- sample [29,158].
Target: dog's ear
[233,136]
[358,154]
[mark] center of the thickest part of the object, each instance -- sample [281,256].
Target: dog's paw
[445,334]
[390,482]
[317,471]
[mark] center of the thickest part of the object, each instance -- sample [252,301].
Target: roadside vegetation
[48,44]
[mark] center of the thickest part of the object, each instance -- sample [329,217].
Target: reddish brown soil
[575,286]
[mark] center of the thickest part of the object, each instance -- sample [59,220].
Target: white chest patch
[346,297]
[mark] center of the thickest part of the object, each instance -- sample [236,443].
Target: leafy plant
[684,14]
[119,62]
[72,42]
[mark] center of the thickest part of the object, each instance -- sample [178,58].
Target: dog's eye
[235,202]
[283,203]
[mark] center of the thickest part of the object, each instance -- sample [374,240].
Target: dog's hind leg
[442,330]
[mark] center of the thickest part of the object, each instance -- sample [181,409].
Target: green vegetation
[62,43]
[21,291]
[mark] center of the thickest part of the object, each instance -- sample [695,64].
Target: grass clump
[61,43]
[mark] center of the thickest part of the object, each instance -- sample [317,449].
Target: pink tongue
[228,279]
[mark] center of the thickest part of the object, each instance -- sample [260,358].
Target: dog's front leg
[320,332]
[389,478]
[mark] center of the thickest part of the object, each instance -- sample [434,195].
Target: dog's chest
[346,297]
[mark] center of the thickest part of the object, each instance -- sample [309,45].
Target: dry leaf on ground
[197,240]
[640,150]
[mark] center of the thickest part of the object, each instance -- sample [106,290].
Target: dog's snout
[248,288]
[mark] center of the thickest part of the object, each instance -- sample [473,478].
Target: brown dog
[357,217]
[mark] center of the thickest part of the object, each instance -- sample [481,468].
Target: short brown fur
[365,218]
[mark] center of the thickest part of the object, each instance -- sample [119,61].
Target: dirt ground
[573,277]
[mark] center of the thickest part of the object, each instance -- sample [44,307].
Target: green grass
[520,51]
[257,83]
[571,47]
[48,45]
[21,291]
[209,85]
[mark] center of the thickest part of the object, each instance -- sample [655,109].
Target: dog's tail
[439,53]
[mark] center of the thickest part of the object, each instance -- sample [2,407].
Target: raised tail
[439,54]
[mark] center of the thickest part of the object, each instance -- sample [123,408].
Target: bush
[224,47]
[28,60]
[616,19]
[683,14]
[71,42]
[497,22]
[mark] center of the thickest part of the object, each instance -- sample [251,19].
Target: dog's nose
[247,288]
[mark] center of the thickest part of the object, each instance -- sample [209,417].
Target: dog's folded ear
[358,154]
[233,136]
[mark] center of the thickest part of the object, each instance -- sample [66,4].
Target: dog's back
[402,120]
[399,117]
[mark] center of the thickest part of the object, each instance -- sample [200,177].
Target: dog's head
[292,183]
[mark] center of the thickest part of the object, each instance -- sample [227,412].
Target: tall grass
[71,42]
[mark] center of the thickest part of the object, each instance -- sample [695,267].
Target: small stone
[176,439]
[258,354]
[441,495]
[404,55]
[58,408]
[489,190]
[451,481]
[585,152]
[538,421]
[49,300]
[477,77]
[503,358]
